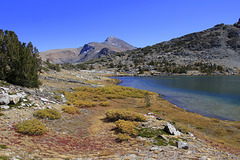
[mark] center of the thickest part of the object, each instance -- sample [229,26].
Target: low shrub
[3,146]
[82,103]
[116,114]
[123,137]
[31,127]
[71,110]
[115,96]
[48,113]
[104,103]
[150,132]
[126,127]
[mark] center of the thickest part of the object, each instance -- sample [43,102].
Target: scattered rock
[141,138]
[162,137]
[4,107]
[156,148]
[171,129]
[182,145]
[3,90]
[159,118]
[21,95]
[14,99]
[204,158]
[4,99]
[44,99]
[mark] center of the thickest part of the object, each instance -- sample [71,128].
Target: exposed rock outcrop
[237,24]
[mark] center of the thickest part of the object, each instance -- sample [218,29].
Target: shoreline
[177,105]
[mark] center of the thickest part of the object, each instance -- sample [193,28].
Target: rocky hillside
[219,45]
[89,51]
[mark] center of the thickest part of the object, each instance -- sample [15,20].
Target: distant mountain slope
[219,45]
[89,51]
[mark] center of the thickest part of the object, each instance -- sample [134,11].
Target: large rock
[14,99]
[182,145]
[4,99]
[169,128]
[21,95]
[4,90]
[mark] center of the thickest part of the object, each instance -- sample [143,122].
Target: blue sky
[54,24]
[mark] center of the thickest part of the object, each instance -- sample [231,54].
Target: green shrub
[83,103]
[52,66]
[104,103]
[71,110]
[4,158]
[126,127]
[150,133]
[3,146]
[123,137]
[48,113]
[31,127]
[116,114]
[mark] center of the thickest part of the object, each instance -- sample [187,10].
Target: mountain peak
[111,39]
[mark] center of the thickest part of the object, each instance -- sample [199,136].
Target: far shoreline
[172,102]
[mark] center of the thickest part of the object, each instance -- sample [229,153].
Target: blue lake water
[213,96]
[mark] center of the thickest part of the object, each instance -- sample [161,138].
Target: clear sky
[55,24]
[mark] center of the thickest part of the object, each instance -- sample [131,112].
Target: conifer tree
[19,61]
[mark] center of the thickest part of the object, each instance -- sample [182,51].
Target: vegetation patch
[127,127]
[122,114]
[84,103]
[3,146]
[48,113]
[71,110]
[150,133]
[123,137]
[104,103]
[31,127]
[4,158]
[84,96]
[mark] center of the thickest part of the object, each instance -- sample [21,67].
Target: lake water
[213,96]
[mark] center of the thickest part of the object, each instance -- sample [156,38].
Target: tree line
[19,62]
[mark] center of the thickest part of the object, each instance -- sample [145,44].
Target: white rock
[182,145]
[49,107]
[203,158]
[141,138]
[21,95]
[171,129]
[4,99]
[5,90]
[25,100]
[156,149]
[14,99]
[44,99]
[4,107]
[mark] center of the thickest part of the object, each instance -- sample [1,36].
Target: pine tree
[19,62]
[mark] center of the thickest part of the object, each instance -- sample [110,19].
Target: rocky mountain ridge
[89,51]
[219,45]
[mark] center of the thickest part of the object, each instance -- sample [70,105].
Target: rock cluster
[8,97]
[237,24]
